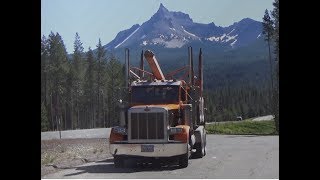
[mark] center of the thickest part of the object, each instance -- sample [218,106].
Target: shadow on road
[130,167]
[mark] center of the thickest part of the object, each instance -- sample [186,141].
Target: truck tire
[201,150]
[118,162]
[201,147]
[205,143]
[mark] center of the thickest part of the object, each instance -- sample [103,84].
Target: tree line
[228,102]
[271,31]
[79,90]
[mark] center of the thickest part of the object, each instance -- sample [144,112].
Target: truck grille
[147,126]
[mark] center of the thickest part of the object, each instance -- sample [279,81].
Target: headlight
[120,130]
[175,130]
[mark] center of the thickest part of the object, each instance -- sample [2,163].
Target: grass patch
[249,119]
[243,128]
[48,159]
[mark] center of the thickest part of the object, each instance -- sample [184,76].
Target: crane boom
[154,66]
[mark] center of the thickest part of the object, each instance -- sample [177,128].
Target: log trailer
[164,116]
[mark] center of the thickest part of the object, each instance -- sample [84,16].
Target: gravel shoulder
[60,154]
[77,134]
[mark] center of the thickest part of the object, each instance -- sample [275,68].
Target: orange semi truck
[164,117]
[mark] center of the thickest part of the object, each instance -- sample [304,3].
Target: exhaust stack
[191,71]
[141,73]
[200,73]
[127,67]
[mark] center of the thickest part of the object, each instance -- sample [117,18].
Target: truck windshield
[155,94]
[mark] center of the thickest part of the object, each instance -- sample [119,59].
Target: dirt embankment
[61,154]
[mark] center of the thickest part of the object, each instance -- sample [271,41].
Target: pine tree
[115,82]
[77,64]
[44,64]
[44,118]
[275,15]
[70,97]
[268,30]
[57,75]
[89,89]
[77,53]
[100,83]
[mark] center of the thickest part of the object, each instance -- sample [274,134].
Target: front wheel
[205,143]
[201,149]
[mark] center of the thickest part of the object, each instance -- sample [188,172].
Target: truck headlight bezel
[175,130]
[120,130]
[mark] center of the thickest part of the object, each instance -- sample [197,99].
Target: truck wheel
[118,162]
[205,143]
[201,149]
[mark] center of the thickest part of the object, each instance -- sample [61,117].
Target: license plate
[147,148]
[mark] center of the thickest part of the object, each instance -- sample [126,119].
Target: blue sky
[94,19]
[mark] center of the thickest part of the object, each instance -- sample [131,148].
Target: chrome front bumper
[160,150]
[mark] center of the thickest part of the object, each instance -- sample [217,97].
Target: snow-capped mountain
[176,29]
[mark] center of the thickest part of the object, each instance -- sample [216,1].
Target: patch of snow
[157,40]
[143,36]
[259,35]
[173,36]
[232,44]
[231,37]
[173,29]
[188,32]
[213,38]
[221,37]
[127,37]
[230,32]
[173,43]
[144,42]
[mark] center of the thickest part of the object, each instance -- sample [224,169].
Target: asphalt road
[228,156]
